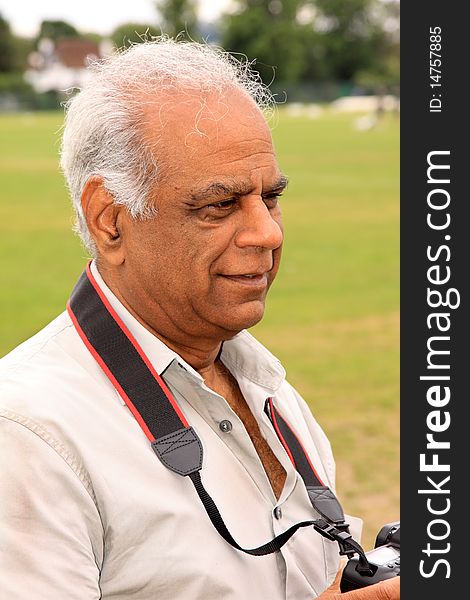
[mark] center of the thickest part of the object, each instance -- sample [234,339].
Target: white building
[61,66]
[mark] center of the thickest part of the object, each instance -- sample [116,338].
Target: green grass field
[332,316]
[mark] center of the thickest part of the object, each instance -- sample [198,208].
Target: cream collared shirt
[87,510]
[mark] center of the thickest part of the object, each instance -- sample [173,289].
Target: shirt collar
[243,354]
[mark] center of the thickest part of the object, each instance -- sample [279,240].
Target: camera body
[384,560]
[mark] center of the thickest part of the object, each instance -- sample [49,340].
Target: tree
[383,75]
[132,33]
[7,53]
[306,40]
[14,90]
[22,48]
[178,16]
[56,30]
[349,36]
[268,31]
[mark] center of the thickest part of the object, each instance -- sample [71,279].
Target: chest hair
[226,385]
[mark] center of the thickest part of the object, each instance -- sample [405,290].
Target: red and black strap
[172,438]
[127,367]
[321,496]
[293,446]
[122,359]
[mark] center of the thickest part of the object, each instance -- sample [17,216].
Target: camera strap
[173,440]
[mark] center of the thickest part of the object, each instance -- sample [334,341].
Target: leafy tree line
[298,41]
[317,40]
[292,41]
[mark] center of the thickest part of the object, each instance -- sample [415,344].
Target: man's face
[209,256]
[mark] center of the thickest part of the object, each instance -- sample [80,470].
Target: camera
[384,560]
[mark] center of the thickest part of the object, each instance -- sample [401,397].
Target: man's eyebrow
[279,186]
[219,188]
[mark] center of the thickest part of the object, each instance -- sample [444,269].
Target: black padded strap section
[123,360]
[327,504]
[180,451]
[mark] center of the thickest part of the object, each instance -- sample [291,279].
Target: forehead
[197,138]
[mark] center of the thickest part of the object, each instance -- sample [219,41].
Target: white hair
[103,122]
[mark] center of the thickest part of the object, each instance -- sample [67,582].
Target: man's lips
[249,279]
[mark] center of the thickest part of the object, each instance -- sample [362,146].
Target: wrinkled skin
[184,273]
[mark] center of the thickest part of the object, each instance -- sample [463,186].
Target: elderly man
[176,187]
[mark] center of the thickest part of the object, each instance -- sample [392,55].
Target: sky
[101,16]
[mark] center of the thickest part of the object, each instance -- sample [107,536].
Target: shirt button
[278,512]
[225,426]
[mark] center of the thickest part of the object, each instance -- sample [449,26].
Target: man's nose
[259,228]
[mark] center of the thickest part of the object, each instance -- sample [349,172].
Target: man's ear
[103,219]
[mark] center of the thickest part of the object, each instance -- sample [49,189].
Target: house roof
[73,52]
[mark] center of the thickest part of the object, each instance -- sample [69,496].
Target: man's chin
[243,317]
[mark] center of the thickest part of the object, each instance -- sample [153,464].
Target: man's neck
[199,352]
[203,354]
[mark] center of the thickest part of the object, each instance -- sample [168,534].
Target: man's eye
[223,205]
[271,200]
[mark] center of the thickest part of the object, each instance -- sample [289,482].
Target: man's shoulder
[43,370]
[41,352]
